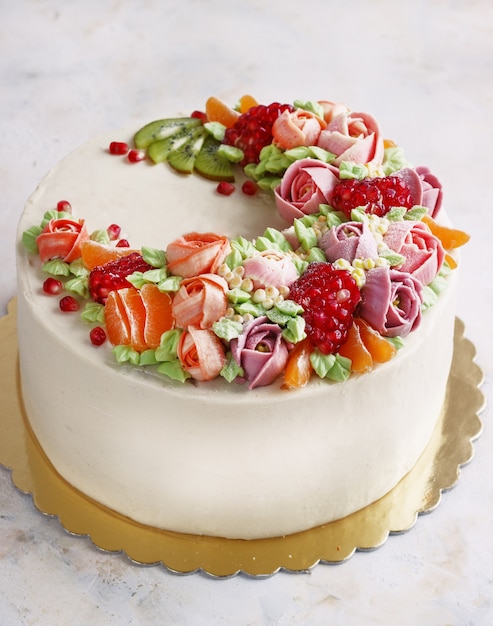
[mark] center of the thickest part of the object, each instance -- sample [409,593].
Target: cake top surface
[264,245]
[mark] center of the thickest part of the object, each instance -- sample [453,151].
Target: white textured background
[71,69]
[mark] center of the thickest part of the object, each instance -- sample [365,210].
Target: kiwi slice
[158,151]
[212,165]
[161,129]
[182,158]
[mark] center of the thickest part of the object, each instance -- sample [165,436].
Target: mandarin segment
[247,102]
[298,368]
[355,350]
[450,237]
[94,253]
[159,316]
[116,320]
[381,349]
[136,315]
[218,111]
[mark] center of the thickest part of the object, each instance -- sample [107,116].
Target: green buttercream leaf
[227,329]
[173,370]
[394,160]
[148,357]
[171,283]
[231,369]
[234,259]
[416,213]
[243,246]
[93,312]
[392,258]
[101,236]
[277,317]
[126,354]
[79,286]
[294,330]
[249,308]
[29,237]
[429,298]
[168,346]
[77,268]
[274,235]
[322,363]
[300,264]
[310,105]
[269,183]
[322,155]
[315,255]
[341,369]
[155,276]
[153,256]
[396,214]
[348,169]
[289,307]
[398,342]
[56,267]
[136,279]
[53,214]
[306,236]
[238,296]
[298,153]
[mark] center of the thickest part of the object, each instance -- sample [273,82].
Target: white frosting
[209,458]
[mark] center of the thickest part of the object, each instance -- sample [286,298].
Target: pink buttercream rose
[261,351]
[423,251]
[349,240]
[426,189]
[200,301]
[353,137]
[270,268]
[297,128]
[306,184]
[391,301]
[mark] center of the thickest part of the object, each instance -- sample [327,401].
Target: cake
[236,337]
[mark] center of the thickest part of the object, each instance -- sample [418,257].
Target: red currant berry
[225,188]
[69,304]
[134,156]
[113,231]
[249,187]
[64,206]
[97,336]
[118,147]
[52,286]
[123,243]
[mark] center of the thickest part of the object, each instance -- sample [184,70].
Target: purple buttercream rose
[306,184]
[261,351]
[349,240]
[425,188]
[391,301]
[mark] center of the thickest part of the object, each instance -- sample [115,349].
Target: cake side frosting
[219,458]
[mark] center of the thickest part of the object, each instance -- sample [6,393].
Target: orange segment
[117,326]
[298,368]
[246,103]
[380,349]
[355,349]
[94,253]
[218,111]
[451,261]
[159,318]
[450,237]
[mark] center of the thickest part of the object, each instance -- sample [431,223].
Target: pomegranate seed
[97,336]
[113,231]
[123,243]
[225,188]
[69,304]
[134,156]
[64,206]
[52,286]
[200,115]
[118,147]
[249,187]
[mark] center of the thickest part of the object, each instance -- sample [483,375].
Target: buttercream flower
[391,301]
[61,239]
[349,240]
[297,128]
[270,269]
[353,137]
[261,351]
[201,353]
[423,251]
[425,188]
[196,253]
[200,301]
[306,184]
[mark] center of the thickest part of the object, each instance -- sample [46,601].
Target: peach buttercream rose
[61,239]
[297,128]
[200,301]
[196,253]
[306,184]
[201,353]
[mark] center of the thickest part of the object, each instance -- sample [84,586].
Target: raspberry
[376,195]
[113,275]
[328,297]
[253,130]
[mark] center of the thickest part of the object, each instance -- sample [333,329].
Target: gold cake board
[420,491]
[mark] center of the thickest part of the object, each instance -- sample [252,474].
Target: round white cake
[210,457]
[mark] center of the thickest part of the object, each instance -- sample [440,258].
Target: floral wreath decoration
[333,294]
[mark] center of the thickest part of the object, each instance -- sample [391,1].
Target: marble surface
[69,70]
